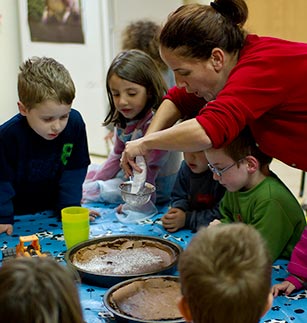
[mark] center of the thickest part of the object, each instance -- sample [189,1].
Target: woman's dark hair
[137,67]
[193,30]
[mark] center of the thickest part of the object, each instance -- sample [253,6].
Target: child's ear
[268,304]
[22,108]
[185,309]
[252,164]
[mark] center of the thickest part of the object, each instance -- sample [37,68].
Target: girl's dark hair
[137,67]
[193,30]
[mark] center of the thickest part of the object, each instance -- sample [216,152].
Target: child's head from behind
[225,275]
[46,92]
[196,161]
[38,290]
[237,165]
[143,35]
[134,86]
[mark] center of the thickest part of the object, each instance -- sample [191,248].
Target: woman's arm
[165,117]
[186,136]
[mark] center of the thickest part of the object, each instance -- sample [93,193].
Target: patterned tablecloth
[49,230]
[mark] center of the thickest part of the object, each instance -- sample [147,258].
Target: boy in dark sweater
[195,196]
[43,149]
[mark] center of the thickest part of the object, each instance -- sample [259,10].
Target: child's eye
[64,117]
[132,93]
[47,119]
[115,94]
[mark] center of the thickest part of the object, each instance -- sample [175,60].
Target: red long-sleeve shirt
[265,90]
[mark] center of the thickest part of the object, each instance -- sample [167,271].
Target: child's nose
[123,100]
[56,126]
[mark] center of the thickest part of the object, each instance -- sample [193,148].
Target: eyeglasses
[219,172]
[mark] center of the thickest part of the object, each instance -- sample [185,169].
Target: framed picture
[58,21]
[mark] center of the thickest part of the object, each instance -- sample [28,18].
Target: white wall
[10,57]
[126,11]
[104,21]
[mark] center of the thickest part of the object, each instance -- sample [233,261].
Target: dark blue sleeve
[6,203]
[180,193]
[196,219]
[70,188]
[72,178]
[6,189]
[79,157]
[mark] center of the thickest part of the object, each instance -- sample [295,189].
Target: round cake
[148,299]
[124,256]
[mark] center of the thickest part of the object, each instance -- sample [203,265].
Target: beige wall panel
[278,18]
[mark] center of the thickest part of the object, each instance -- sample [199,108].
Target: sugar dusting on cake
[124,256]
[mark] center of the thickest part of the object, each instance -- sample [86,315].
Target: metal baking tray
[107,280]
[123,318]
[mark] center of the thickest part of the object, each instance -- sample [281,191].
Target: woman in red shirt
[246,80]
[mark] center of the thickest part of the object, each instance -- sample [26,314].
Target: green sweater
[272,209]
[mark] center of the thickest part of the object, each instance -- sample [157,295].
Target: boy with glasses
[255,195]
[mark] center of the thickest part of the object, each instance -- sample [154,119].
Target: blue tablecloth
[49,230]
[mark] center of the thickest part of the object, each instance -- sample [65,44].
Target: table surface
[49,230]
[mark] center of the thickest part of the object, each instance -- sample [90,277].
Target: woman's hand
[127,162]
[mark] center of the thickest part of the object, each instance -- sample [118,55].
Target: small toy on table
[21,250]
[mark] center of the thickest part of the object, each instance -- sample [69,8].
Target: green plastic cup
[75,224]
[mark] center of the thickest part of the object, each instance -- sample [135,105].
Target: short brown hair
[245,145]
[43,78]
[225,274]
[38,290]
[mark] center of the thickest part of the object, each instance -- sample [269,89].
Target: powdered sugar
[122,262]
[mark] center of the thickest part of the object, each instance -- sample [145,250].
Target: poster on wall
[55,21]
